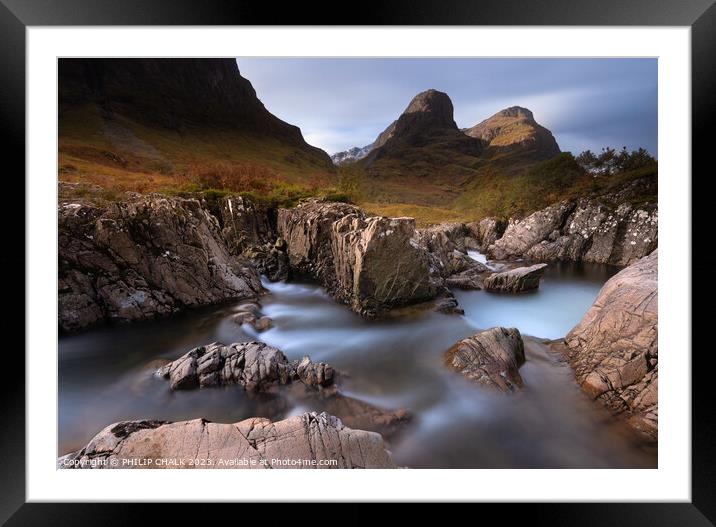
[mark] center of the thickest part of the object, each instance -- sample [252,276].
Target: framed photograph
[420,249]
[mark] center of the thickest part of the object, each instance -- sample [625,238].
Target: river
[106,375]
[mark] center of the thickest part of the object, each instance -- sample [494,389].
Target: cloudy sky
[341,103]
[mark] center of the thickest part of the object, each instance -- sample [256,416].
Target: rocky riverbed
[393,339]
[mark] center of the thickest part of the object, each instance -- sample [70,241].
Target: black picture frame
[17,15]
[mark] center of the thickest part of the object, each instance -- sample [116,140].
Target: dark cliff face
[429,111]
[426,122]
[173,93]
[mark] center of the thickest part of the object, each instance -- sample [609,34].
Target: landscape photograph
[338,263]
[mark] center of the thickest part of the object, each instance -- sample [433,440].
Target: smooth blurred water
[106,375]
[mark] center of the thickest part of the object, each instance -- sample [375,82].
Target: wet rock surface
[515,280]
[370,263]
[262,369]
[614,349]
[491,358]
[255,366]
[310,440]
[141,258]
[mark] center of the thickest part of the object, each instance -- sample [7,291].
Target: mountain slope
[156,123]
[422,157]
[515,131]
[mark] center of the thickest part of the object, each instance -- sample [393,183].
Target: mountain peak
[515,128]
[516,111]
[431,101]
[428,111]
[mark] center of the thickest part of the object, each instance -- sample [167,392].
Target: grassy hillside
[500,186]
[122,154]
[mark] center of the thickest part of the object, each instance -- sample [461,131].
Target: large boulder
[310,440]
[255,366]
[590,230]
[515,280]
[372,264]
[377,264]
[491,358]
[614,349]
[142,257]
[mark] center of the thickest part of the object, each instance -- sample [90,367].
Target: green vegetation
[557,179]
[609,161]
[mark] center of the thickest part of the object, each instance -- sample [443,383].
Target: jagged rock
[245,225]
[250,231]
[491,358]
[521,235]
[143,257]
[446,244]
[614,349]
[307,230]
[378,266]
[596,233]
[515,280]
[485,232]
[253,365]
[310,440]
[590,230]
[270,260]
[372,264]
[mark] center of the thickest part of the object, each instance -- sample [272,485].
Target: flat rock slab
[515,280]
[310,440]
[253,365]
[491,358]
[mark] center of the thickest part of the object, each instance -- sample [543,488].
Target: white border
[671,481]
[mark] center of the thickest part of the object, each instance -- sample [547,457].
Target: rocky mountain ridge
[512,130]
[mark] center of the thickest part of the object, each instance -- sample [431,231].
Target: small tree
[609,161]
